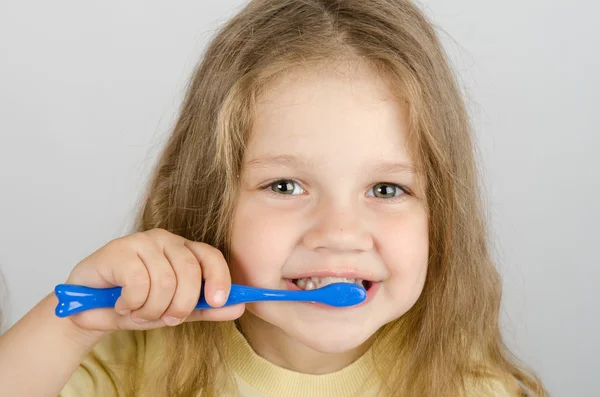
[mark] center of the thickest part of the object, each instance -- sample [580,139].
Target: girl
[320,141]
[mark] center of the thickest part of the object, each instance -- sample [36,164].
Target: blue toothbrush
[73,299]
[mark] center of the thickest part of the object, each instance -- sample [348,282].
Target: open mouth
[310,283]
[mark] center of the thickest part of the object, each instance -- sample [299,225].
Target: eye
[286,186]
[385,190]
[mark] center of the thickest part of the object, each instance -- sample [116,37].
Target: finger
[215,272]
[189,282]
[107,320]
[226,313]
[123,267]
[135,282]
[163,282]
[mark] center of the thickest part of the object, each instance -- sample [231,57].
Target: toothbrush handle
[245,294]
[73,299]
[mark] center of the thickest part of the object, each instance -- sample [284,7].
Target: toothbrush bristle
[346,294]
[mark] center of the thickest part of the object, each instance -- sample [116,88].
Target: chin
[334,344]
[328,337]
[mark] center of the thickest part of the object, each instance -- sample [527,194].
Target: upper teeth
[309,283]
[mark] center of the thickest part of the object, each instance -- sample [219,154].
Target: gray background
[88,91]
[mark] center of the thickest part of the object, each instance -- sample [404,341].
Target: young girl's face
[328,189]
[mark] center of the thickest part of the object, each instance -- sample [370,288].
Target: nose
[338,229]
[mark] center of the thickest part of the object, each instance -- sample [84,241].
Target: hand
[161,274]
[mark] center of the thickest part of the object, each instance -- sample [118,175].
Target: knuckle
[119,244]
[139,278]
[158,233]
[217,253]
[195,273]
[136,301]
[143,236]
[179,311]
[167,281]
[214,255]
[191,267]
[139,239]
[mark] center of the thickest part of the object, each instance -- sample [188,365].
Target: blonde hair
[452,332]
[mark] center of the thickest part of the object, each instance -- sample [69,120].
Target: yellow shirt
[107,368]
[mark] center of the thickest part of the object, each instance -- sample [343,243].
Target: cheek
[404,247]
[260,245]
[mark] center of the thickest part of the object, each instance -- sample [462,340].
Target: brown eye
[386,190]
[286,186]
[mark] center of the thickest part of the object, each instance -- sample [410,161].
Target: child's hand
[161,275]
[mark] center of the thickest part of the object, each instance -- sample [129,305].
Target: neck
[275,346]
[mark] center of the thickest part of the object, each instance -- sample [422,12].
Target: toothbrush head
[341,294]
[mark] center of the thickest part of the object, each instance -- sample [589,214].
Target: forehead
[344,107]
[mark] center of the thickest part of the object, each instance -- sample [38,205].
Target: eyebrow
[291,161]
[395,168]
[282,160]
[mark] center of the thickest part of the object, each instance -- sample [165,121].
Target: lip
[371,292]
[341,273]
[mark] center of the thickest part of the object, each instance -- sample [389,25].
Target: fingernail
[171,320]
[139,320]
[219,297]
[124,312]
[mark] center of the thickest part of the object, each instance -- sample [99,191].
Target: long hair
[452,333]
